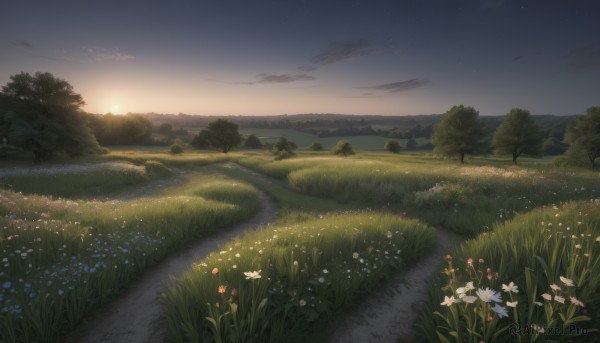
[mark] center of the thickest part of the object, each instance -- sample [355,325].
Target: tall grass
[184,159]
[278,283]
[60,259]
[551,254]
[464,198]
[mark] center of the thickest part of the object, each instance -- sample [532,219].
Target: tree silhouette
[42,115]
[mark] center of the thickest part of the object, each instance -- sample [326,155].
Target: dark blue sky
[274,57]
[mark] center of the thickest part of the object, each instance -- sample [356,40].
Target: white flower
[567,282]
[302,302]
[355,255]
[511,287]
[512,304]
[325,271]
[501,311]
[538,303]
[469,286]
[488,295]
[469,299]
[252,275]
[321,279]
[461,290]
[237,255]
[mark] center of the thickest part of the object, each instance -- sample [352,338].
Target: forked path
[387,315]
[133,316]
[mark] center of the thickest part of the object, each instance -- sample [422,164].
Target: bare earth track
[387,315]
[131,318]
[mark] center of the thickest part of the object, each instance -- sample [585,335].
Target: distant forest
[139,128]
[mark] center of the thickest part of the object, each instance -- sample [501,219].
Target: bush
[343,147]
[176,147]
[392,146]
[315,146]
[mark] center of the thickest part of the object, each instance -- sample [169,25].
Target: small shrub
[316,146]
[392,146]
[176,147]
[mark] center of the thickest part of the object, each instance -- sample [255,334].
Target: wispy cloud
[307,68]
[350,49]
[584,57]
[366,95]
[103,54]
[23,44]
[278,78]
[400,86]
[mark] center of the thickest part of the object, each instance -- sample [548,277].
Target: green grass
[467,198]
[534,251]
[61,259]
[308,273]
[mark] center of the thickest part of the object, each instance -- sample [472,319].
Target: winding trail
[387,314]
[132,317]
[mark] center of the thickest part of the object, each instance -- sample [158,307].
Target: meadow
[530,238]
[63,258]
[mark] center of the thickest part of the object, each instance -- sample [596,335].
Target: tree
[392,146]
[222,134]
[460,132]
[284,148]
[584,137]
[343,147]
[41,114]
[200,141]
[315,146]
[252,142]
[518,134]
[411,144]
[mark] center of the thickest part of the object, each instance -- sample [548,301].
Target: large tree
[222,134]
[42,115]
[518,134]
[584,137]
[460,132]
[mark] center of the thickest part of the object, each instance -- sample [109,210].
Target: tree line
[42,114]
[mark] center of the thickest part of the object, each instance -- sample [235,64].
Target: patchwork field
[525,255]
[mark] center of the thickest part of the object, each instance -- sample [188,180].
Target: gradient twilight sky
[256,57]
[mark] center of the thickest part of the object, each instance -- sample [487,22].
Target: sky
[256,57]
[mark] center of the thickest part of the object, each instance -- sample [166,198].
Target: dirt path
[387,315]
[131,318]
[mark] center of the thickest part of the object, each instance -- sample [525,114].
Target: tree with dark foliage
[41,114]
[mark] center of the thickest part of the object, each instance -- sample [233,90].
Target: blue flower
[6,285]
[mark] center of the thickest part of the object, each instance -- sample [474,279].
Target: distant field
[303,140]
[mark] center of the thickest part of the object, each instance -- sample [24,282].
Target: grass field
[344,224]
[63,258]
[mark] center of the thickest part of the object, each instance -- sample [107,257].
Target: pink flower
[559,299]
[470,261]
[576,302]
[215,271]
[480,261]
[554,287]
[234,292]
[567,282]
[547,296]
